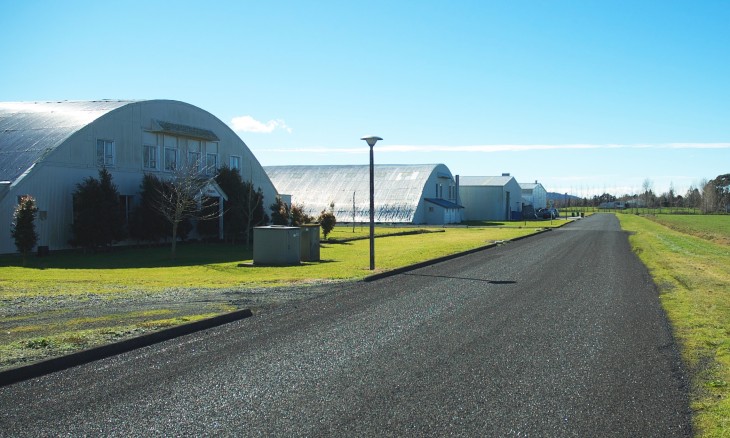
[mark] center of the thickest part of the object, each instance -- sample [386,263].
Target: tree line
[709,196]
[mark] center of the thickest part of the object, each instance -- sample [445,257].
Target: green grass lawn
[217,265]
[715,228]
[693,275]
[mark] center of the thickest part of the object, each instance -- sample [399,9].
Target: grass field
[689,259]
[217,265]
[715,228]
[71,301]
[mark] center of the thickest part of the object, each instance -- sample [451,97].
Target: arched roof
[399,188]
[31,130]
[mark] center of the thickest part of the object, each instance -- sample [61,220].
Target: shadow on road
[464,278]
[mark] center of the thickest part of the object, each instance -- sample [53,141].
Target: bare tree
[647,187]
[693,198]
[253,209]
[709,196]
[182,197]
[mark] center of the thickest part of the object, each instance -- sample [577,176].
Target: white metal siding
[52,181]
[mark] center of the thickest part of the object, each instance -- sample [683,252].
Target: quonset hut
[414,194]
[46,148]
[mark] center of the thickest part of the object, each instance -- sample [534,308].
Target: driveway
[561,334]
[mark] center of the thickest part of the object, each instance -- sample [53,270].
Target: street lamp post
[371,140]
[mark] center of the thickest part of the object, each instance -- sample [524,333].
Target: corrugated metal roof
[31,130]
[398,189]
[528,186]
[497,181]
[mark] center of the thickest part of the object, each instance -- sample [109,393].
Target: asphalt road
[556,335]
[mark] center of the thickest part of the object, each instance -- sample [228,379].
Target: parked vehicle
[548,213]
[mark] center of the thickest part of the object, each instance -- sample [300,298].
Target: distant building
[611,205]
[534,194]
[415,194]
[47,148]
[491,198]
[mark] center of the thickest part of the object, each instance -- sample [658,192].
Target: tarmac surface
[557,335]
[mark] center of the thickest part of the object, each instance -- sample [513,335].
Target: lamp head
[371,140]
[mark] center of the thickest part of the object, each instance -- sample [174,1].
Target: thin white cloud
[500,148]
[698,146]
[249,124]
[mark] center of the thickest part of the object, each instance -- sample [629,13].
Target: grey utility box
[310,243]
[276,245]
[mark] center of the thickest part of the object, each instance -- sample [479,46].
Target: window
[105,152]
[211,157]
[235,162]
[211,163]
[194,160]
[170,159]
[194,154]
[150,157]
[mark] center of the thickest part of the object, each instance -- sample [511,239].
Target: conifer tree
[97,218]
[23,227]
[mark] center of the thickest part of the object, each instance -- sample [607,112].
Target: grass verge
[694,281]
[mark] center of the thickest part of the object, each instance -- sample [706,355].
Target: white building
[46,148]
[416,194]
[534,194]
[490,198]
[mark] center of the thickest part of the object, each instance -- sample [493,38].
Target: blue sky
[584,96]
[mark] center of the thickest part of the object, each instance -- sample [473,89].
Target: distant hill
[562,197]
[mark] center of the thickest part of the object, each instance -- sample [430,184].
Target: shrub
[23,227]
[97,218]
[327,220]
[279,212]
[298,216]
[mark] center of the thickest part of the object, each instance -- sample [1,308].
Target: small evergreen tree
[234,216]
[147,224]
[208,226]
[279,212]
[254,215]
[97,222]
[112,220]
[23,227]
